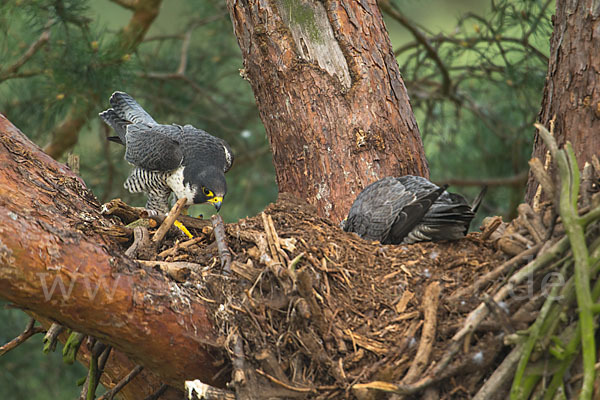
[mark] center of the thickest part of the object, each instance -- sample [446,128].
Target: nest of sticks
[306,310]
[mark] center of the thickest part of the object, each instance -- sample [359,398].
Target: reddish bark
[47,235]
[571,93]
[330,95]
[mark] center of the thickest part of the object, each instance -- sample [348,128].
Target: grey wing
[376,207]
[151,148]
[228,155]
[129,109]
[118,124]
[411,215]
[204,147]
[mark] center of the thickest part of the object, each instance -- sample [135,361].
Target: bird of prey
[167,159]
[409,209]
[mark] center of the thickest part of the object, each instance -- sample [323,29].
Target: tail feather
[477,202]
[128,109]
[411,215]
[118,124]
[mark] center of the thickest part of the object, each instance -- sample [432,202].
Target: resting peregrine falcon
[409,209]
[168,158]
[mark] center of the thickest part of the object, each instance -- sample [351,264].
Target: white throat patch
[175,182]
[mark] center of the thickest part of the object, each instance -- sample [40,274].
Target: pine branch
[11,71]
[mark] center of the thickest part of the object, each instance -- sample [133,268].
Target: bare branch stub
[220,238]
[111,393]
[29,331]
[168,222]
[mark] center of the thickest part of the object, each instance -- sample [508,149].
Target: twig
[430,306]
[168,222]
[220,238]
[500,377]
[499,313]
[35,46]
[422,39]
[52,337]
[29,331]
[285,385]
[272,238]
[141,239]
[161,390]
[239,370]
[182,245]
[514,180]
[178,270]
[196,390]
[491,227]
[542,176]
[132,374]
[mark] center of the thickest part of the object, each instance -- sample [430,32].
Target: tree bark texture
[330,95]
[572,92]
[53,263]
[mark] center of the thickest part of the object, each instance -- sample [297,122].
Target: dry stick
[168,222]
[196,390]
[132,374]
[542,176]
[587,183]
[501,376]
[29,331]
[492,275]
[177,270]
[154,396]
[430,306]
[141,239]
[526,217]
[285,385]
[224,252]
[182,245]
[239,374]
[499,313]
[271,237]
[491,228]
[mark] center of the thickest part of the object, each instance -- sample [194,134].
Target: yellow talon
[183,229]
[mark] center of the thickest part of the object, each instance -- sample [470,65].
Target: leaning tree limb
[55,264]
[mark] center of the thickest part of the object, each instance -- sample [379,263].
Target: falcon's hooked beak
[216,201]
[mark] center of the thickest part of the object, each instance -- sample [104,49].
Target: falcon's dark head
[208,184]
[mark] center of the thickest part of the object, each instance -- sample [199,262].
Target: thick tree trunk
[571,93]
[53,263]
[330,96]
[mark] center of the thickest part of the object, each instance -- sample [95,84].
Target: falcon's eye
[207,192]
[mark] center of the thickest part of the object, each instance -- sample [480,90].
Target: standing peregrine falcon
[409,209]
[168,158]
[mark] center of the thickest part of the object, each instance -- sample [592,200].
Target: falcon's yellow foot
[183,229]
